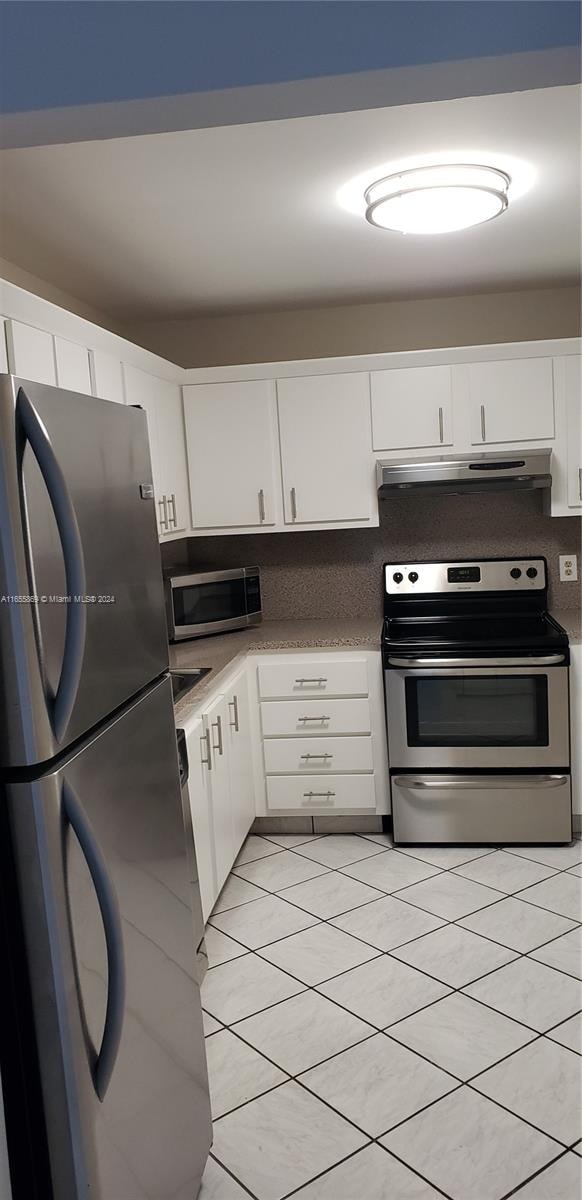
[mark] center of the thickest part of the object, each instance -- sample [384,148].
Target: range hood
[458,474]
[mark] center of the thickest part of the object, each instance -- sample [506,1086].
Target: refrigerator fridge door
[104,879]
[76,520]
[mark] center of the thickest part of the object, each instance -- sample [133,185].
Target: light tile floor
[391,1024]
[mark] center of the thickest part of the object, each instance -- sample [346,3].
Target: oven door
[481,808]
[478,713]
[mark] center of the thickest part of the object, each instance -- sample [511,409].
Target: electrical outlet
[568,567]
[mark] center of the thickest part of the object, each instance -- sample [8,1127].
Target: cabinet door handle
[205,739]
[234,705]
[314,719]
[294,504]
[316,755]
[163,507]
[482,422]
[261,505]
[172,503]
[217,724]
[441,425]
[314,679]
[580,482]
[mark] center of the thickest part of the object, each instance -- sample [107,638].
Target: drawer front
[307,718]
[312,793]
[324,756]
[317,678]
[534,808]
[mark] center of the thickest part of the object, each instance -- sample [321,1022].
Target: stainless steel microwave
[212,602]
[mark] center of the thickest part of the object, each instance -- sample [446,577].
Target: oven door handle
[544,660]
[480,782]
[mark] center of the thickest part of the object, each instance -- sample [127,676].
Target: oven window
[206,602]
[506,710]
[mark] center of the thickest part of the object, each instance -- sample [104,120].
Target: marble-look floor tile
[565,953]
[576,871]
[371,1174]
[446,857]
[256,847]
[244,986]
[541,1083]
[387,923]
[280,870]
[454,955]
[217,1184]
[560,857]
[390,870]
[569,1033]
[529,992]
[318,953]
[282,1140]
[471,1148]
[561,894]
[449,896]
[303,1031]
[577,1148]
[338,850]
[381,839]
[519,926]
[235,892]
[237,1073]
[330,894]
[377,1084]
[461,1036]
[562,1180]
[211,1025]
[219,948]
[288,841]
[262,921]
[505,872]
[383,991]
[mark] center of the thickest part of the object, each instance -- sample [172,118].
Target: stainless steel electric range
[477,703]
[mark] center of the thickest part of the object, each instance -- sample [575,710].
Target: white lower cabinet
[215,720]
[317,755]
[201,810]
[286,718]
[240,761]
[311,792]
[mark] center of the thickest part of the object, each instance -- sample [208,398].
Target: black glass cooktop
[479,632]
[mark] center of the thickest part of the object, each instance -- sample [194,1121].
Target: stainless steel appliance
[212,602]
[453,474]
[101,1043]
[477,707]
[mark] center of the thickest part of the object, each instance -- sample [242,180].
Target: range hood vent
[458,474]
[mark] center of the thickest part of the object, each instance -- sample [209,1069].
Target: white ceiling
[216,220]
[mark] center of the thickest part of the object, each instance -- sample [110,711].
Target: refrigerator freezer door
[76,519]
[105,888]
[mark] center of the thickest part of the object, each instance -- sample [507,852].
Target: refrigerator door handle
[104,1063]
[76,622]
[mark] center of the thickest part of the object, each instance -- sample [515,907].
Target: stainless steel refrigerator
[101,1043]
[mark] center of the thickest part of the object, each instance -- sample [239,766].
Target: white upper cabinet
[72,362]
[231,440]
[107,376]
[509,401]
[172,454]
[140,390]
[573,378]
[31,352]
[3,353]
[411,407]
[326,444]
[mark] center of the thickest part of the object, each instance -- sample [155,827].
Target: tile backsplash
[338,572]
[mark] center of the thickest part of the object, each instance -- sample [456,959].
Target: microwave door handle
[106,1057]
[36,435]
[542,660]
[479,782]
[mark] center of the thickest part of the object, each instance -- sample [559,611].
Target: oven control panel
[485,575]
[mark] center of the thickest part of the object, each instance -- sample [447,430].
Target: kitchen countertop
[571,619]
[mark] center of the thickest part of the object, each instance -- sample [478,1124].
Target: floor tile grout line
[525,1120]
[228,1171]
[353,862]
[516,1190]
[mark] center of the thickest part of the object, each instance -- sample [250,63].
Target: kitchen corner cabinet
[326,444]
[31,353]
[162,404]
[509,401]
[411,407]
[232,450]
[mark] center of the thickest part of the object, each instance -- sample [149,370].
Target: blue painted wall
[79,52]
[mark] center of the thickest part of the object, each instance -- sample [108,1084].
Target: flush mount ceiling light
[440,198]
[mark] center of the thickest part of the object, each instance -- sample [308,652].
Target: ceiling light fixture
[440,198]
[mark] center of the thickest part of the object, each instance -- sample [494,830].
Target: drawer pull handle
[315,679]
[316,755]
[217,724]
[326,796]
[320,719]
[205,739]
[234,705]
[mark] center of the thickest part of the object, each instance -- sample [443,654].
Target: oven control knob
[398,577]
[531,572]
[413,576]
[515,573]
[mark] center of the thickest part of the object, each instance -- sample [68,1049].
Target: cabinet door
[215,722]
[31,353]
[511,401]
[3,351]
[72,362]
[326,445]
[140,389]
[573,370]
[411,407]
[200,807]
[238,738]
[172,454]
[107,376]
[231,440]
